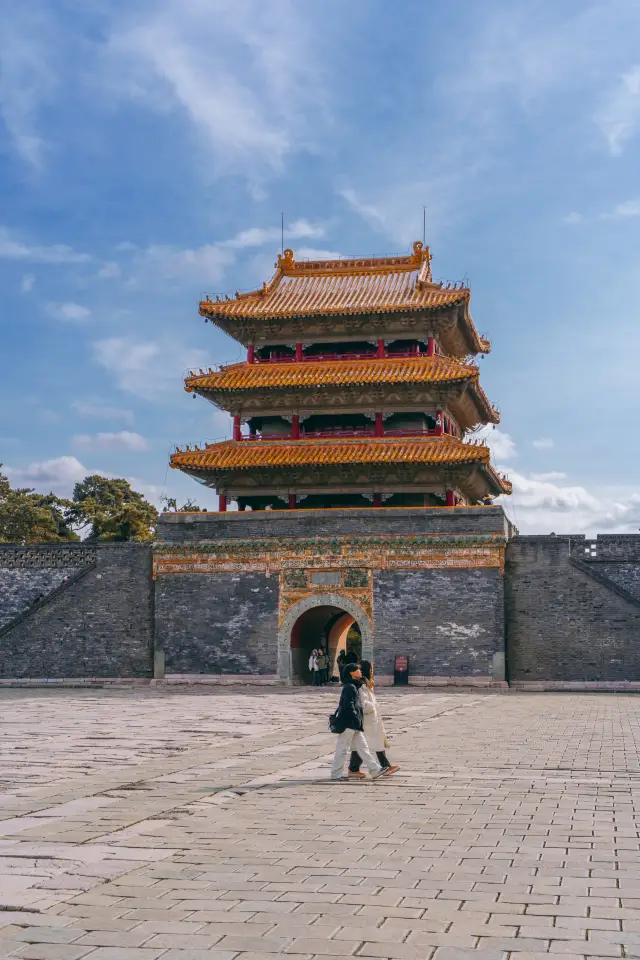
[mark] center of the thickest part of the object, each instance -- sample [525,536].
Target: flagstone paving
[198,823]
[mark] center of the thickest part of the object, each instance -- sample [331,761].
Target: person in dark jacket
[350,719]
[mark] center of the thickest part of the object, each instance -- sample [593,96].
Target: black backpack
[335,724]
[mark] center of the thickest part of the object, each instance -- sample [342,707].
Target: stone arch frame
[321,600]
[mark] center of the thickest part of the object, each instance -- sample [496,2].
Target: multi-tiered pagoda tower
[358,389]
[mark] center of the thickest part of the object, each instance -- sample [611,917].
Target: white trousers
[348,741]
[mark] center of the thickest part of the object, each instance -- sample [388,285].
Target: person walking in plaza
[313,668]
[323,661]
[347,723]
[373,727]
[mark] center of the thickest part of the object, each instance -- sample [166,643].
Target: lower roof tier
[411,461]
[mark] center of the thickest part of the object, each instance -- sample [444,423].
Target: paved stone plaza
[193,824]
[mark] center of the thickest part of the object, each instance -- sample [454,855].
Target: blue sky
[147,149]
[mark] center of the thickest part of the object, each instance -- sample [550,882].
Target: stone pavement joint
[165,825]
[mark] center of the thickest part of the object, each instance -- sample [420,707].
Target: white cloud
[549,476]
[619,115]
[148,368]
[101,411]
[124,440]
[542,443]
[250,101]
[574,217]
[368,211]
[206,264]
[501,444]
[58,475]
[27,282]
[109,271]
[28,80]
[13,249]
[540,505]
[630,208]
[258,236]
[68,312]
[313,253]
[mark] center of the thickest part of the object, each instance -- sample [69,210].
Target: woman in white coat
[373,726]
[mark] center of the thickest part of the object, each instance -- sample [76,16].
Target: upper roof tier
[375,287]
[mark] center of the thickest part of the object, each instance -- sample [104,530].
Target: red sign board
[402,664]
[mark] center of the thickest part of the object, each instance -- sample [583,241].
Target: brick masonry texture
[218,623]
[562,624]
[19,589]
[318,523]
[100,625]
[563,619]
[449,622]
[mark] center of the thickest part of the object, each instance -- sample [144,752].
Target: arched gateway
[324,618]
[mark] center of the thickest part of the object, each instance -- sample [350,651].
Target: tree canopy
[101,507]
[111,509]
[189,506]
[30,517]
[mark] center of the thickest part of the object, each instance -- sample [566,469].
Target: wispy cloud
[123,440]
[618,117]
[27,80]
[259,236]
[626,210]
[95,410]
[68,312]
[58,475]
[249,103]
[27,283]
[150,367]
[14,249]
[542,443]
[205,264]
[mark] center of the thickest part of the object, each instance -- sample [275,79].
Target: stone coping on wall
[190,527]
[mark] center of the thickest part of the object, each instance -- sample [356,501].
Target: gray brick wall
[318,523]
[20,588]
[218,623]
[98,626]
[561,624]
[448,621]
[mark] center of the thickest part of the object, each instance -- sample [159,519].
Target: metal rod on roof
[282,233]
[424,225]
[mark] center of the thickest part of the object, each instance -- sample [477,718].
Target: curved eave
[243,377]
[247,455]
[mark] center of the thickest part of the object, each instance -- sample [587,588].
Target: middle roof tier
[244,389]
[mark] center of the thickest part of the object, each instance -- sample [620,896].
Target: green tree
[30,517]
[111,509]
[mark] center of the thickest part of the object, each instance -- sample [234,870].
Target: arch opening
[326,626]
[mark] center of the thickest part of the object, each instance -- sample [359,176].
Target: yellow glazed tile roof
[249,454]
[248,376]
[322,287]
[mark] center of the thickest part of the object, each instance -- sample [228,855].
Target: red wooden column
[378,430]
[251,353]
[449,498]
[222,503]
[237,429]
[431,346]
[295,427]
[377,499]
[381,351]
[292,501]
[298,353]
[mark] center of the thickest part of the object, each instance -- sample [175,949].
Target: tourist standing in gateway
[348,724]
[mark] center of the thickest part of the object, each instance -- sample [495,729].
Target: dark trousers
[315,678]
[356,761]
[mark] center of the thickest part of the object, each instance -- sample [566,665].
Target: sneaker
[388,771]
[378,773]
[357,773]
[341,777]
